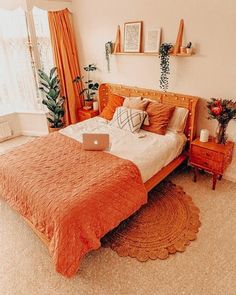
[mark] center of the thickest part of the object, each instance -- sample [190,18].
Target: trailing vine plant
[108,51]
[165,65]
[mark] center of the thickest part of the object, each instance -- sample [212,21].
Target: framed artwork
[133,36]
[152,40]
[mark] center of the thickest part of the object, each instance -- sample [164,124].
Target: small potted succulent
[90,89]
[165,50]
[189,48]
[50,86]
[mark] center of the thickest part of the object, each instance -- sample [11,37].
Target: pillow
[178,120]
[114,101]
[159,116]
[131,99]
[128,119]
[138,104]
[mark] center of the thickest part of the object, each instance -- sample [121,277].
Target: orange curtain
[66,59]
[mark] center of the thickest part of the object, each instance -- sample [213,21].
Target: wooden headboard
[173,99]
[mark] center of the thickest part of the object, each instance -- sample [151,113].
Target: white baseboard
[33,133]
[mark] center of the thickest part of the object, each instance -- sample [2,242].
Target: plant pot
[51,129]
[189,50]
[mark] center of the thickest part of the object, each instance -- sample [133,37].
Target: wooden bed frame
[174,99]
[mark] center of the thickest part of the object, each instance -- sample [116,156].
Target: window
[24,47]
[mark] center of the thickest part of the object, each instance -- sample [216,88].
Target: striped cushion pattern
[128,119]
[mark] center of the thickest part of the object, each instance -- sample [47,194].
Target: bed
[65,193]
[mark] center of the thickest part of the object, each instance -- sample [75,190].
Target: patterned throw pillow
[128,119]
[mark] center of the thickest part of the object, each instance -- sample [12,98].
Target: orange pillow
[114,101]
[159,115]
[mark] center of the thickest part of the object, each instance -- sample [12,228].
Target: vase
[221,136]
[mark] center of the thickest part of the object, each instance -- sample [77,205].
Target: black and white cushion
[128,119]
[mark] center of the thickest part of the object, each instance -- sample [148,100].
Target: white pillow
[128,119]
[131,98]
[129,101]
[178,120]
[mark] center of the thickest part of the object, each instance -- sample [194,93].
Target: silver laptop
[95,142]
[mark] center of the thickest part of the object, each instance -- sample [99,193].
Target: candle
[204,135]
[95,105]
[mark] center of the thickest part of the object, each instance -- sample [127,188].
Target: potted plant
[164,52]
[50,86]
[108,51]
[223,111]
[90,89]
[189,48]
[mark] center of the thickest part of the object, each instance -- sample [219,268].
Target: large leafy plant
[165,65]
[90,89]
[50,86]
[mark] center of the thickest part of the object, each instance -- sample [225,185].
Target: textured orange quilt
[73,197]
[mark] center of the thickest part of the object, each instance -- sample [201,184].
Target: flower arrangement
[223,111]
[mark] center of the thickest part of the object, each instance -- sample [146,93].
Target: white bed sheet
[149,153]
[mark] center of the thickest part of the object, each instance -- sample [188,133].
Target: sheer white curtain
[17,81]
[43,39]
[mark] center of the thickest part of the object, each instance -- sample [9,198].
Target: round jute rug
[165,225]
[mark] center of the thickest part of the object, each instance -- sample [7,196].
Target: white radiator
[5,131]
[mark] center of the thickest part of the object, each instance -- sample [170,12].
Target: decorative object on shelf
[133,36]
[189,48]
[164,52]
[108,51]
[183,50]
[152,41]
[117,46]
[179,38]
[91,88]
[223,111]
[204,135]
[50,86]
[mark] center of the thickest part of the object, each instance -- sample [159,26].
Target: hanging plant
[165,65]
[108,51]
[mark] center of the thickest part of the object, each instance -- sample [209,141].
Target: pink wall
[210,25]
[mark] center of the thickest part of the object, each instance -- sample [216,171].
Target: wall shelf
[152,54]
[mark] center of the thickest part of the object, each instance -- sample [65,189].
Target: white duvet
[149,153]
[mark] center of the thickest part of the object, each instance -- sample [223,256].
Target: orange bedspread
[74,197]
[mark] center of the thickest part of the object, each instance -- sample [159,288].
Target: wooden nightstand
[87,114]
[211,157]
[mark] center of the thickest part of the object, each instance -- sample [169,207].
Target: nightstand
[87,114]
[211,157]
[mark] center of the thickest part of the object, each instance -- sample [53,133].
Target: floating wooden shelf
[152,54]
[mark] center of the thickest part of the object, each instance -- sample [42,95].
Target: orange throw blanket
[73,197]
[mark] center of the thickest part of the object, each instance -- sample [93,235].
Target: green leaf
[53,70]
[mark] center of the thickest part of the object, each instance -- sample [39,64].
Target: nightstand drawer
[200,152]
[83,117]
[206,163]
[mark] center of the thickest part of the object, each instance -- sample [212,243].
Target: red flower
[216,111]
[218,103]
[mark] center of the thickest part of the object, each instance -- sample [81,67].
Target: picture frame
[133,36]
[152,40]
